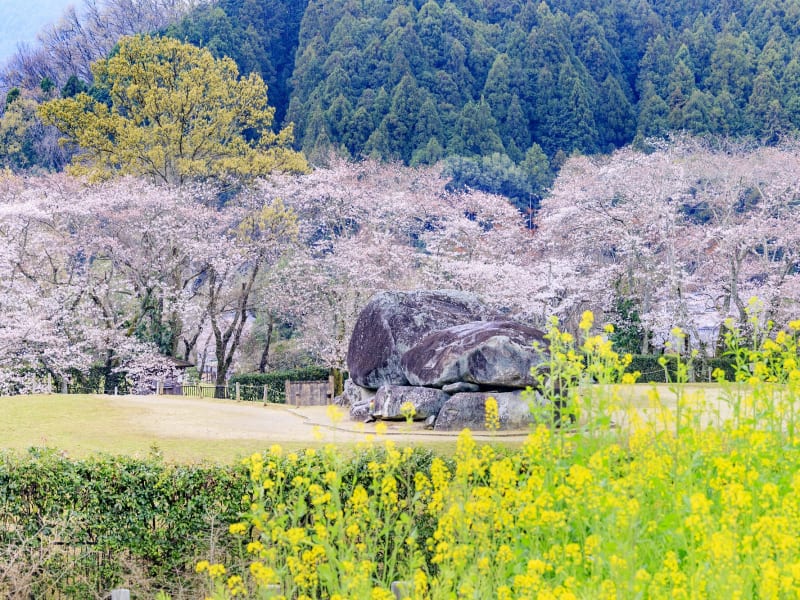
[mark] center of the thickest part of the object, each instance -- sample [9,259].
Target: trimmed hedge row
[652,372]
[158,516]
[252,384]
[162,517]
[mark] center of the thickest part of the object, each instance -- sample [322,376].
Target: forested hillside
[492,82]
[504,90]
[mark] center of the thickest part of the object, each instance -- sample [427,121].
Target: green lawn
[85,424]
[82,424]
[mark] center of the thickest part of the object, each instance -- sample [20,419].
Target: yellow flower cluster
[684,506]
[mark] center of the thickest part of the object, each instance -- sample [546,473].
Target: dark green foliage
[423,81]
[73,87]
[163,516]
[260,35]
[47,85]
[524,184]
[12,95]
[650,369]
[252,384]
[99,379]
[628,333]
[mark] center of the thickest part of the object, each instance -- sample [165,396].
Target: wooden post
[116,390]
[120,594]
[286,388]
[265,395]
[238,392]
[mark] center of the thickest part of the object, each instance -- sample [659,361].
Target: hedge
[97,517]
[252,384]
[157,516]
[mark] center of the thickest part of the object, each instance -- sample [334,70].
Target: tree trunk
[338,381]
[262,364]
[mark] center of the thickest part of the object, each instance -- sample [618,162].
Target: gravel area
[201,418]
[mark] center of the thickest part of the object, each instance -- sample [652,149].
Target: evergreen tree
[681,87]
[428,126]
[515,130]
[431,153]
[653,114]
[655,68]
[766,115]
[615,118]
[696,114]
[338,118]
[477,129]
[790,87]
[733,65]
[497,91]
[401,121]
[73,87]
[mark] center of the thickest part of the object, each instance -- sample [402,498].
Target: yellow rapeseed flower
[587,320]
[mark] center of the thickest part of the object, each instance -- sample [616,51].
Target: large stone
[389,400]
[468,410]
[357,399]
[487,353]
[393,322]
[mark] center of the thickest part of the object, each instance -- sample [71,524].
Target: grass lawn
[86,424]
[180,429]
[198,429]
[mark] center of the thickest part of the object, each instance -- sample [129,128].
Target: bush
[103,518]
[252,384]
[122,510]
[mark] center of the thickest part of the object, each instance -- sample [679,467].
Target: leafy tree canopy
[174,113]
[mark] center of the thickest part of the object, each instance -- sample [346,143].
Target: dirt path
[201,418]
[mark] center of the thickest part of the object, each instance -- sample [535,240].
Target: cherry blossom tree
[368,227]
[688,231]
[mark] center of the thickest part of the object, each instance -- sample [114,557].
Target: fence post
[120,594]
[116,391]
[238,392]
[287,390]
[265,395]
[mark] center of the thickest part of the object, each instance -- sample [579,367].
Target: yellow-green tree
[174,113]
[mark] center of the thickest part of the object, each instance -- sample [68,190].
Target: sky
[20,21]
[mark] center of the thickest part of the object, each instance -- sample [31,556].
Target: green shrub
[125,510]
[96,517]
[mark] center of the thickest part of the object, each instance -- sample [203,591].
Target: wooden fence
[309,393]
